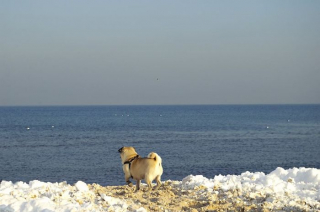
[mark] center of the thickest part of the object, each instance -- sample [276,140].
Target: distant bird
[28,128]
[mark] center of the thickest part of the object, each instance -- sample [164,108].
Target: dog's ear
[120,150]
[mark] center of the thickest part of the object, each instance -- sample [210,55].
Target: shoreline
[296,189]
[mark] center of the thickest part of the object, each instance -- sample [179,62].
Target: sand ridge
[172,197]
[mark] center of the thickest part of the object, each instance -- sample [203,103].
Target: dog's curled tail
[155,156]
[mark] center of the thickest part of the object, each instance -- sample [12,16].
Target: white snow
[81,186]
[47,197]
[280,187]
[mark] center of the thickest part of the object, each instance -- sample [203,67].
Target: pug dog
[148,169]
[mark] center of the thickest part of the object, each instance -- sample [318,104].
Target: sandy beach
[171,197]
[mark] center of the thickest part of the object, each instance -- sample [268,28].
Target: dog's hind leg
[149,184]
[138,185]
[158,179]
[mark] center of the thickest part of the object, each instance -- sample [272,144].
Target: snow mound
[280,187]
[46,197]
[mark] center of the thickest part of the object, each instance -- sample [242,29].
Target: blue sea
[72,143]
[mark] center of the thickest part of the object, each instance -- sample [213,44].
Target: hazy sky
[159,52]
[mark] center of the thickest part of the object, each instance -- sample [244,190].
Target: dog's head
[126,152]
[126,149]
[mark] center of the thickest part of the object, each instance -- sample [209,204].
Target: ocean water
[55,144]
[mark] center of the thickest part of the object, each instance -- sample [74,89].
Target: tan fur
[147,169]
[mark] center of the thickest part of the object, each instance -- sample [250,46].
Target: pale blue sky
[159,52]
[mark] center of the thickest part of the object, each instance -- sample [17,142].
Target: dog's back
[151,165]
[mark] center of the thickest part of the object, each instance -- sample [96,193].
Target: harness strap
[130,161]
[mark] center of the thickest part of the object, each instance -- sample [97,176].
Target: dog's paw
[130,184]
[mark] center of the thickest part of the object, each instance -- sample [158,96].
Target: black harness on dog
[130,161]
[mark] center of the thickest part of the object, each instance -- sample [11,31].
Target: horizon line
[111,105]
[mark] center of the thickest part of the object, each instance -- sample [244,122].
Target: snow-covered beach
[296,189]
